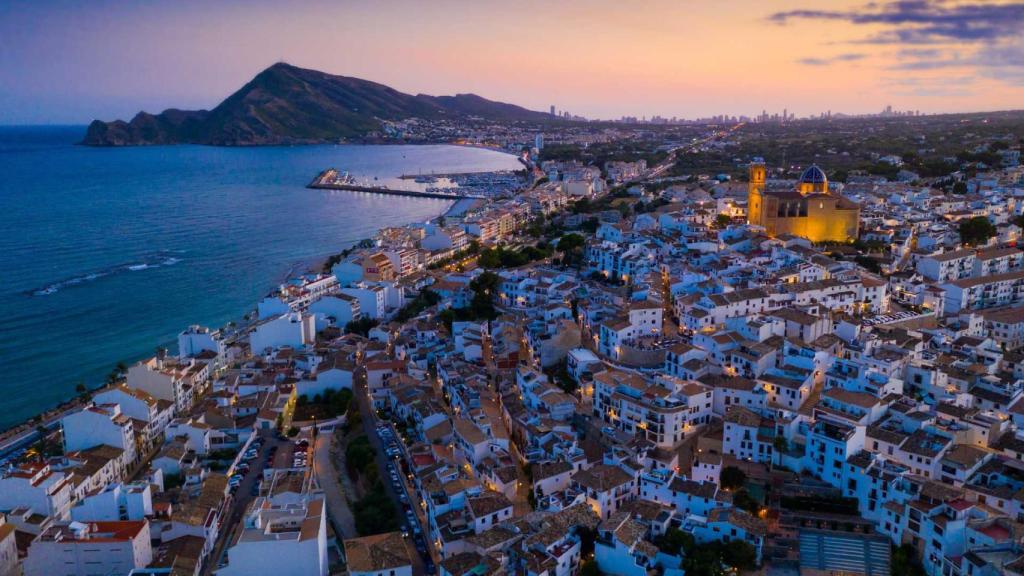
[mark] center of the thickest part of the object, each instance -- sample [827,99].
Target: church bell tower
[755,192]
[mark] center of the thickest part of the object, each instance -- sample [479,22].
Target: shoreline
[310,265]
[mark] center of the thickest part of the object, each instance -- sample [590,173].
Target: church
[809,211]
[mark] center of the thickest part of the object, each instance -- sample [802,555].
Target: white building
[163,379]
[115,502]
[287,539]
[342,308]
[141,407]
[38,487]
[100,424]
[86,549]
[198,339]
[947,266]
[8,548]
[372,299]
[295,329]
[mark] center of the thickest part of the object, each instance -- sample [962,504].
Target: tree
[976,230]
[674,541]
[570,242]
[780,444]
[375,513]
[744,501]
[732,478]
[722,220]
[739,554]
[904,561]
[361,326]
[589,568]
[960,188]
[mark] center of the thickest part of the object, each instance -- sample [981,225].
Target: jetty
[329,180]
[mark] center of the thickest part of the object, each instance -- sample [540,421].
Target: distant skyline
[66,62]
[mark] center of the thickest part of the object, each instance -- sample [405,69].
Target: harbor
[332,179]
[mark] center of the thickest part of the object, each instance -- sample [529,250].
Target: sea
[108,253]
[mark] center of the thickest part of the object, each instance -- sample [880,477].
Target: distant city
[764,116]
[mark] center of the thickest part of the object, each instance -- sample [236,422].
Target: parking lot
[894,317]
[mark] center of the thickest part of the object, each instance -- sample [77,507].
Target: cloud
[936,34]
[925,21]
[947,87]
[851,57]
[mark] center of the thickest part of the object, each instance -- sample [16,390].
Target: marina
[331,179]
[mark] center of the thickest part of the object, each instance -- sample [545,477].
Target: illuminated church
[809,211]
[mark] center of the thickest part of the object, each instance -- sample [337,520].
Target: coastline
[49,416]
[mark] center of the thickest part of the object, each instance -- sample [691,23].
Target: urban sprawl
[623,364]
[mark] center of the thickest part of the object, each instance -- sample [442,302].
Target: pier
[326,180]
[452,175]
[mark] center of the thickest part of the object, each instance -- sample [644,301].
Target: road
[241,499]
[667,163]
[370,421]
[326,475]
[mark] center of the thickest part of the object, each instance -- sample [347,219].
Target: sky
[69,62]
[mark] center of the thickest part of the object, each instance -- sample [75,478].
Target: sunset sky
[71,62]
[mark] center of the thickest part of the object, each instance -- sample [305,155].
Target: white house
[289,539]
[38,487]
[100,424]
[295,329]
[83,549]
[342,308]
[115,502]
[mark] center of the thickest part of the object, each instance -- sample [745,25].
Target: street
[370,422]
[241,499]
[326,474]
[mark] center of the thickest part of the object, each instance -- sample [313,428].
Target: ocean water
[107,254]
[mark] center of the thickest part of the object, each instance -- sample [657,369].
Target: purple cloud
[993,30]
[852,57]
[925,21]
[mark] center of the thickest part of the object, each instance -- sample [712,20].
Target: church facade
[809,210]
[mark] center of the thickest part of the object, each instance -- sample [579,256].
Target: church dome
[813,175]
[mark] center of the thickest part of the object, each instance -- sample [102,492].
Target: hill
[285,104]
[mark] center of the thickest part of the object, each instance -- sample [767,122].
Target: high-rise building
[553,110]
[538,142]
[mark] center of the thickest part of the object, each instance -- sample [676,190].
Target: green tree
[976,230]
[905,562]
[744,501]
[589,568]
[722,220]
[732,478]
[739,554]
[674,541]
[375,513]
[571,247]
[361,326]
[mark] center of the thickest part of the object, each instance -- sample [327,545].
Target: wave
[156,260]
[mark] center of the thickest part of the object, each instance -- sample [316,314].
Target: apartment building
[111,548]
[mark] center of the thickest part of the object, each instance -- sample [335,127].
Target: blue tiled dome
[813,175]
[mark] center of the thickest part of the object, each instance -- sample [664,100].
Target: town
[663,349]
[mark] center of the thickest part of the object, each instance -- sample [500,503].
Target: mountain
[285,104]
